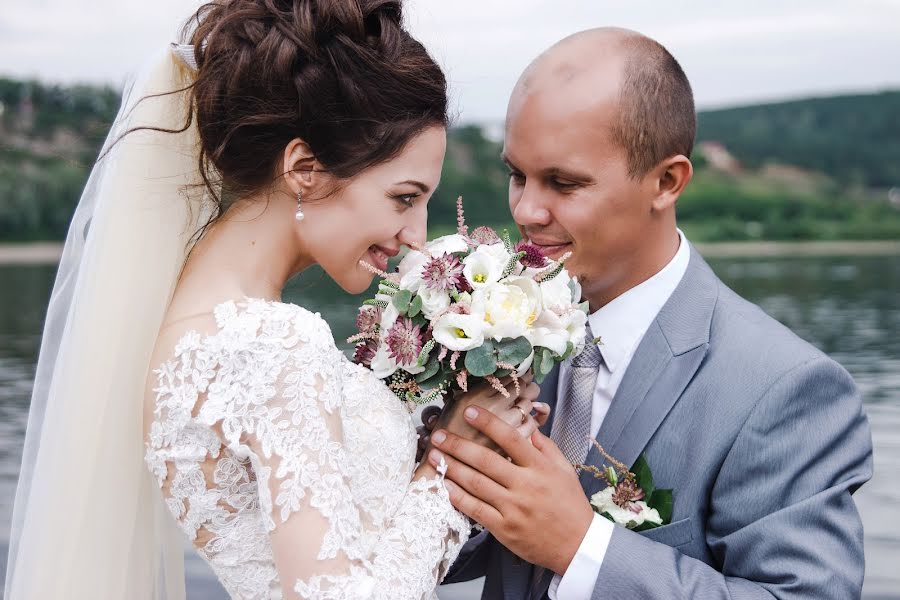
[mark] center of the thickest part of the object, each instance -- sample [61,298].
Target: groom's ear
[300,167]
[671,176]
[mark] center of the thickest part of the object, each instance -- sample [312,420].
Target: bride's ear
[300,167]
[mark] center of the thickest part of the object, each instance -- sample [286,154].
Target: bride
[175,388]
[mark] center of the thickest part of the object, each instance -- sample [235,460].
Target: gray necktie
[572,427]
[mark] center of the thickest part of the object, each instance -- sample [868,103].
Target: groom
[762,437]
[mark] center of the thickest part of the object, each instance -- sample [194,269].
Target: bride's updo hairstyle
[342,75]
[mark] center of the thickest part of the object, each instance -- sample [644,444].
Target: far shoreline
[49,253]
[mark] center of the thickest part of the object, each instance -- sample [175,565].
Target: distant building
[718,157]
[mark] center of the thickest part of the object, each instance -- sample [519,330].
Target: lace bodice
[283,461]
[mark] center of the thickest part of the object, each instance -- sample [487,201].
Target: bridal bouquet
[467,307]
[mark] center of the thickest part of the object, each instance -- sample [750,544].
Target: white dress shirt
[621,325]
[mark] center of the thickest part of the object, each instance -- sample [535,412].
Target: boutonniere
[630,498]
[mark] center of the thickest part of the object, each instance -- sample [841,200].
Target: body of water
[847,306]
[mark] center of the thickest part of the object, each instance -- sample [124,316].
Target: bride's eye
[406,199]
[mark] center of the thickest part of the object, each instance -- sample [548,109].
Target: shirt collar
[622,323]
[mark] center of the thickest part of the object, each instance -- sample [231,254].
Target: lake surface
[847,306]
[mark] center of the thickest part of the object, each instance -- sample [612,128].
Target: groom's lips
[552,248]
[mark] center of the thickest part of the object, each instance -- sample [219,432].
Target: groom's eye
[563,185]
[516,177]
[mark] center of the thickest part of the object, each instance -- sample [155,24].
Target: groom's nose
[530,208]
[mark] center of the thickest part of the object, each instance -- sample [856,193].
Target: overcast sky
[733,52]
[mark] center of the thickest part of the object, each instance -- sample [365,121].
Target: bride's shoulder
[261,320]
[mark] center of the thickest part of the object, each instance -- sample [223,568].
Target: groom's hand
[533,503]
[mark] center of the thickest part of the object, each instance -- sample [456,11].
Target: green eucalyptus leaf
[431,368]
[401,300]
[547,361]
[643,476]
[415,306]
[482,361]
[514,351]
[570,347]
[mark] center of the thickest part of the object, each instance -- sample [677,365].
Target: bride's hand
[515,410]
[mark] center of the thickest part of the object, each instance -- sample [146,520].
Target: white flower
[625,516]
[555,332]
[511,307]
[388,316]
[382,364]
[410,270]
[485,265]
[560,292]
[447,244]
[459,332]
[433,301]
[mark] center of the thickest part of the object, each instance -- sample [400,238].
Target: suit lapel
[665,362]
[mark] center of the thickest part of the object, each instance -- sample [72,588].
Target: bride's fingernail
[438,437]
[435,457]
[471,413]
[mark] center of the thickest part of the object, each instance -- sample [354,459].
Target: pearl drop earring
[299,216]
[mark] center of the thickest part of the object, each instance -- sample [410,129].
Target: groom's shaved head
[629,74]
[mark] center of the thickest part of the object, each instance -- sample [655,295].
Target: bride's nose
[415,233]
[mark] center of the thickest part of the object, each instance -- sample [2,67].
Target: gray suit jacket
[763,440]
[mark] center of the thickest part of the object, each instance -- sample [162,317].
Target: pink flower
[368,318]
[484,235]
[533,258]
[404,341]
[444,272]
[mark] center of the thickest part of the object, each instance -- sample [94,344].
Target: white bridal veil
[89,520]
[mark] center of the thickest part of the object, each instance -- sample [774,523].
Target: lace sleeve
[293,438]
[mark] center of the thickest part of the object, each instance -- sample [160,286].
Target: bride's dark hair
[343,75]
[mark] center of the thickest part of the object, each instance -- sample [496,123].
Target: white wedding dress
[282,460]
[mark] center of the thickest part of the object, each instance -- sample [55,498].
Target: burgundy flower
[364,353]
[443,272]
[404,341]
[533,256]
[627,491]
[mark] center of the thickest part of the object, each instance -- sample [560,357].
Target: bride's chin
[356,282]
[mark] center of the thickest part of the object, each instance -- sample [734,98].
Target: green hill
[854,139]
[808,169]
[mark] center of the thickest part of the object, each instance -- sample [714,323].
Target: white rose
[382,364]
[459,332]
[512,307]
[556,332]
[433,301]
[447,244]
[485,265]
[623,516]
[556,292]
[410,270]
